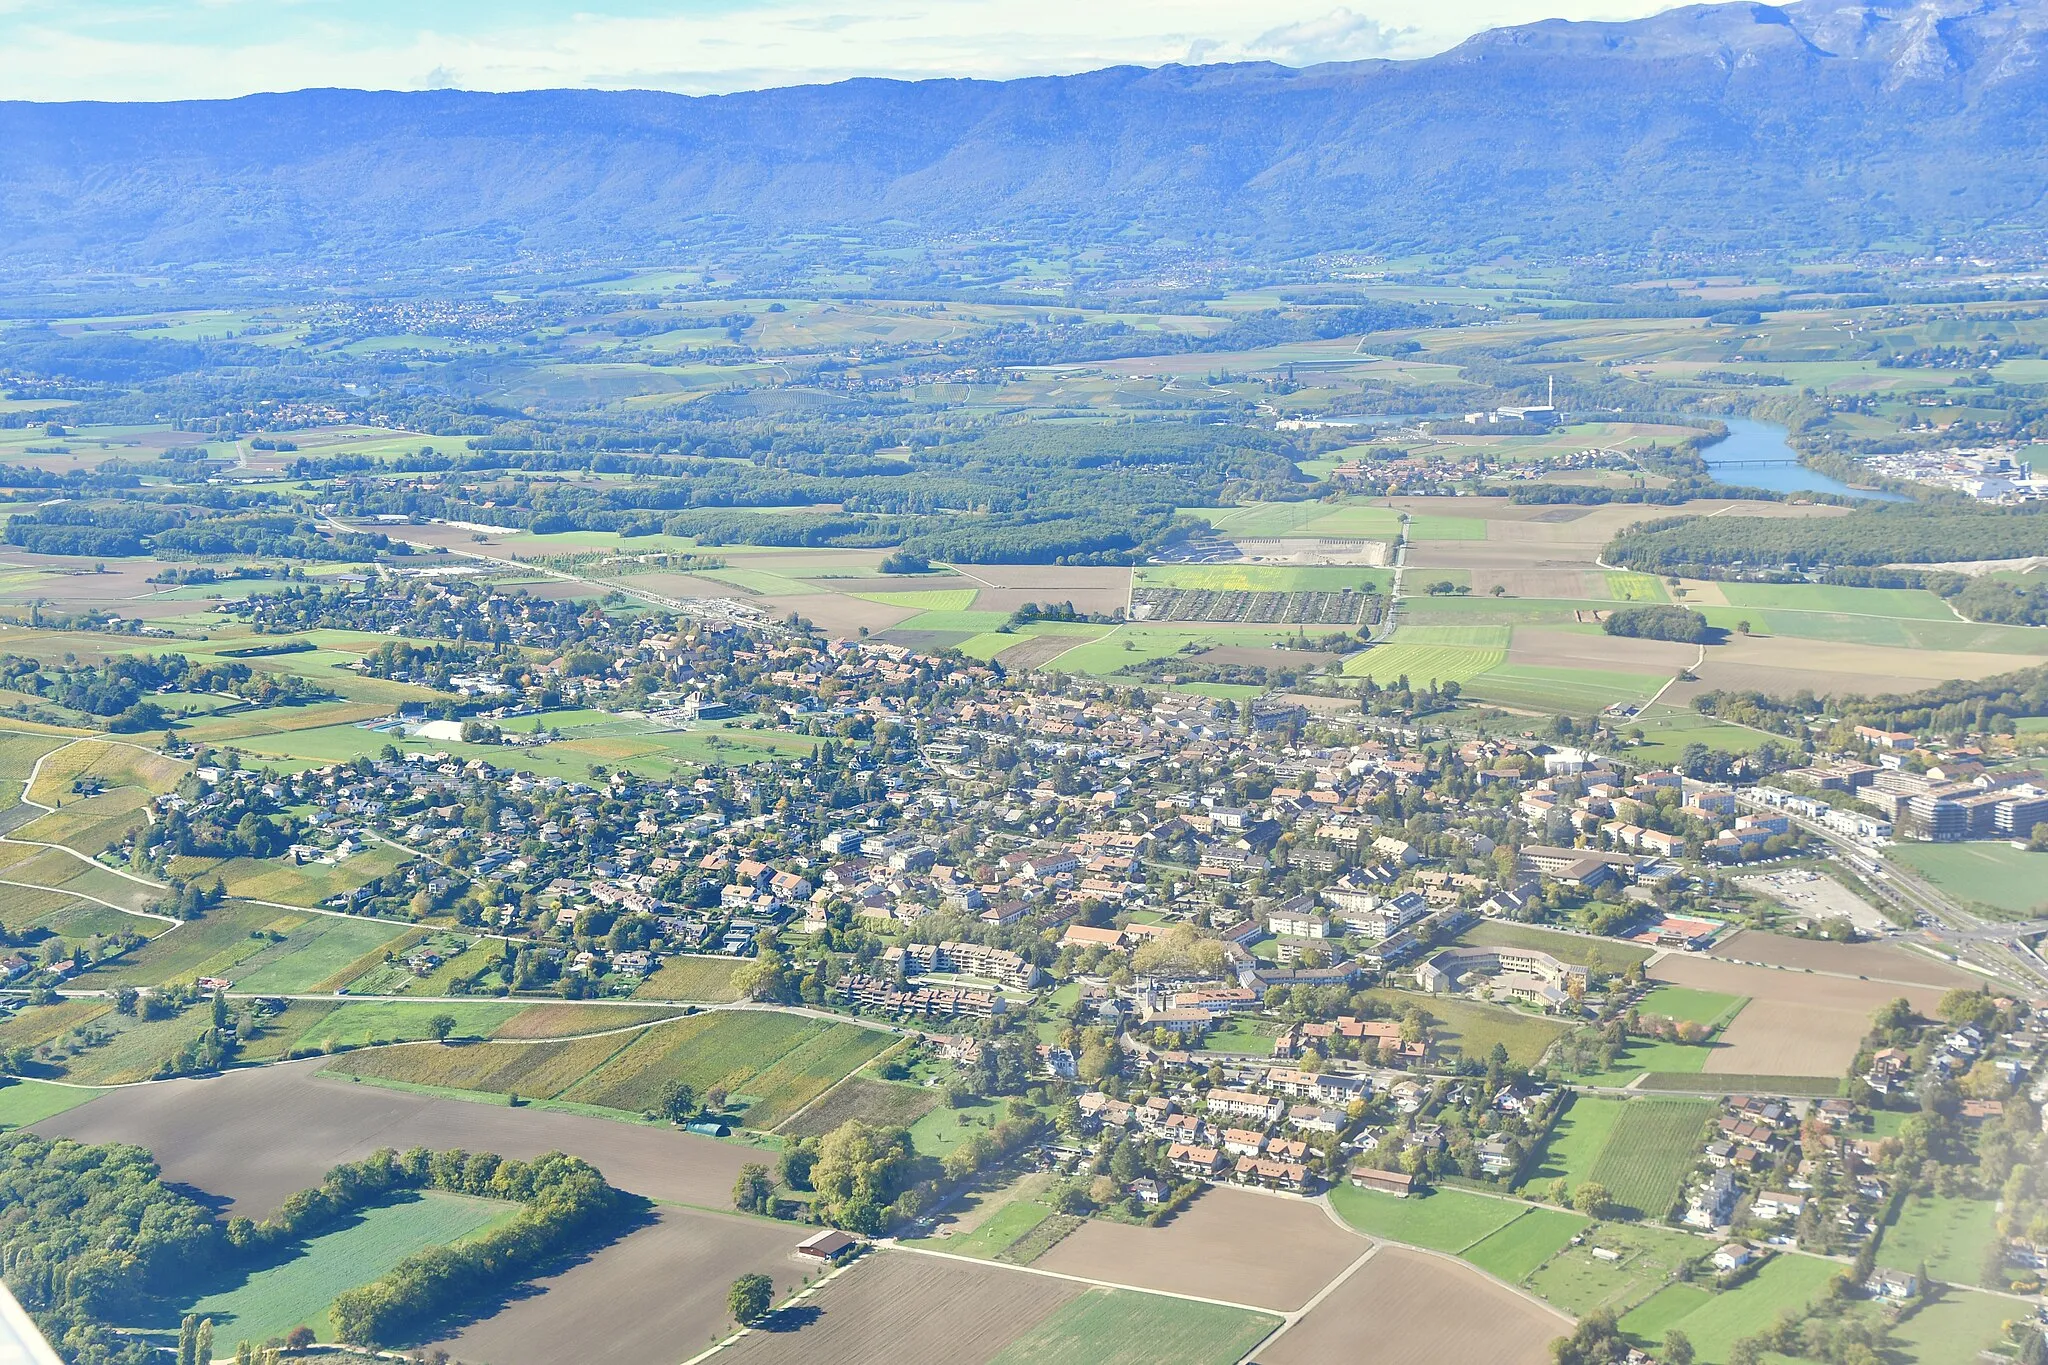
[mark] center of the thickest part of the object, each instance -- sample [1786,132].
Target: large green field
[1576,1141]
[272,1301]
[1129,1327]
[1911,604]
[1432,654]
[1688,1005]
[1470,1030]
[1447,1220]
[1715,1322]
[1948,1236]
[1575,691]
[1519,1249]
[2001,879]
[23,1102]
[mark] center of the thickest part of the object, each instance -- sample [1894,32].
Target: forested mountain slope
[1741,126]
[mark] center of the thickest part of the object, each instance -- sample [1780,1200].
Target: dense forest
[1660,622]
[1901,533]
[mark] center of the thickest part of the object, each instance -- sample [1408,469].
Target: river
[1756,455]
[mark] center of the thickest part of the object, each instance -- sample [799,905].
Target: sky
[210,49]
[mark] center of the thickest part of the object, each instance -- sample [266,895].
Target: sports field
[272,1301]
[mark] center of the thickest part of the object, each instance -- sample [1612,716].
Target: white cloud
[61,54]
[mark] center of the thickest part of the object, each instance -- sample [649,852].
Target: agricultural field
[214,945]
[706,979]
[1796,1024]
[254,1137]
[1232,1245]
[1124,1327]
[650,1296]
[1575,1141]
[885,1103]
[25,1102]
[271,1301]
[967,1314]
[1418,1309]
[1566,691]
[1654,1145]
[322,953]
[1432,654]
[1445,1220]
[1996,878]
[992,1234]
[771,1064]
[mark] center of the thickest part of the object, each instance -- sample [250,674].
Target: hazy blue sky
[176,49]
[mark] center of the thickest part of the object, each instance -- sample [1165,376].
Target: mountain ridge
[1731,127]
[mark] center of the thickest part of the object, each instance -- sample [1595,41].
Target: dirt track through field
[1418,1309]
[906,1309]
[1229,1244]
[254,1137]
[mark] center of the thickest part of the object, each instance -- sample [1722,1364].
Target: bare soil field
[1878,961]
[1229,1244]
[1797,1023]
[1561,583]
[963,1314]
[1418,1309]
[1499,557]
[1006,587]
[1852,665]
[1535,646]
[831,610]
[653,1297]
[254,1137]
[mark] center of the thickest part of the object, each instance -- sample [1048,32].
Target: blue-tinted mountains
[1735,127]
